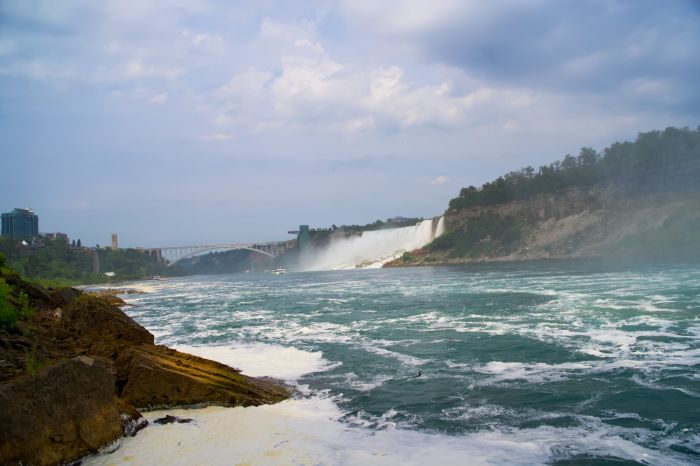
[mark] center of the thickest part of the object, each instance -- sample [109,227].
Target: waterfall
[440,228]
[371,249]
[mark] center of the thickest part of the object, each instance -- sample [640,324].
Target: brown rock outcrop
[72,374]
[153,376]
[60,413]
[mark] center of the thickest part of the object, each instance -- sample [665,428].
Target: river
[561,363]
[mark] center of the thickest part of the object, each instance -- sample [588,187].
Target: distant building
[57,235]
[20,223]
[303,238]
[115,243]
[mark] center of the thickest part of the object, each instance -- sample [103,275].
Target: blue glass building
[20,223]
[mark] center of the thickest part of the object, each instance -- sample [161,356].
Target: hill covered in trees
[651,154]
[57,261]
[638,198]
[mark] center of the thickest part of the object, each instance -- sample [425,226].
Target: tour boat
[279,271]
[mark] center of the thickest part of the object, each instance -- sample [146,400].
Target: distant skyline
[182,122]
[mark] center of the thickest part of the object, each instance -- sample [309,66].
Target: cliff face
[600,221]
[72,373]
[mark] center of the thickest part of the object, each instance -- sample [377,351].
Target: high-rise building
[20,223]
[115,244]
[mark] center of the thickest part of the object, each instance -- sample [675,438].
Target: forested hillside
[651,153]
[633,199]
[56,261]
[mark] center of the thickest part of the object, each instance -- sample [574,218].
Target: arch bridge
[173,254]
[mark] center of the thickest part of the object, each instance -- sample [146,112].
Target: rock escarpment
[594,222]
[72,374]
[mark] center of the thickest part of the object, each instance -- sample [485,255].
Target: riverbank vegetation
[56,263]
[395,222]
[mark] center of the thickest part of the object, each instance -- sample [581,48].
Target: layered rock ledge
[73,375]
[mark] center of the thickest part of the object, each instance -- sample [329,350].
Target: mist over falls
[370,249]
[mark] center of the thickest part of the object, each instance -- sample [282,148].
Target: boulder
[64,296]
[61,413]
[100,328]
[156,376]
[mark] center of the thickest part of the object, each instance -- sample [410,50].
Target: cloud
[201,42]
[247,83]
[438,180]
[309,86]
[136,69]
[217,137]
[570,46]
[359,124]
[159,98]
[403,16]
[39,70]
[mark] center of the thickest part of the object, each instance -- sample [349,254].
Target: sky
[198,122]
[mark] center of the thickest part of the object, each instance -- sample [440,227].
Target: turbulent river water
[561,363]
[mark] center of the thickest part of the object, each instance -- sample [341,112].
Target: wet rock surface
[168,419]
[60,413]
[73,375]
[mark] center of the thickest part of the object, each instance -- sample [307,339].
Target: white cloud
[359,124]
[139,94]
[223,120]
[309,44]
[385,83]
[438,180]
[159,98]
[307,78]
[136,69]
[287,32]
[403,16]
[217,137]
[312,88]
[39,70]
[201,41]
[245,84]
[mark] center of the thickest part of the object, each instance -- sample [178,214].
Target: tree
[587,157]
[648,155]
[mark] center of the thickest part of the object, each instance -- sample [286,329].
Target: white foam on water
[309,431]
[537,372]
[402,358]
[264,360]
[354,382]
[293,332]
[653,385]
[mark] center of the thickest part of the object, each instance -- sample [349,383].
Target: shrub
[8,313]
[408,257]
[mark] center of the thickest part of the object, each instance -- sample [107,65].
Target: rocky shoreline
[74,375]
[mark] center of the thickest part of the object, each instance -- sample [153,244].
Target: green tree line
[55,262]
[651,152]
